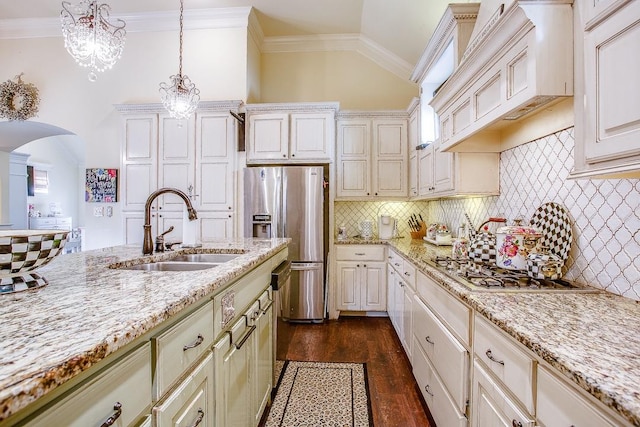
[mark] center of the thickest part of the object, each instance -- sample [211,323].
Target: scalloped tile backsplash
[605,213]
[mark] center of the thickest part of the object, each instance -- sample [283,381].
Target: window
[40,181]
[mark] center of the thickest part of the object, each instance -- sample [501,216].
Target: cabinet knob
[358,265]
[293,155]
[284,155]
[364,265]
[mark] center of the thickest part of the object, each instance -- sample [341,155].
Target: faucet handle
[169,245]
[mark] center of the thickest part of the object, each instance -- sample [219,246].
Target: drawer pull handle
[360,253]
[246,336]
[198,420]
[194,344]
[112,419]
[493,359]
[407,273]
[266,308]
[428,390]
[515,423]
[396,264]
[428,339]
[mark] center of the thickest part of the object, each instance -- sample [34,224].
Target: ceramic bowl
[22,251]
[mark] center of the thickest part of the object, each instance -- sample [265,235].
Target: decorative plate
[554,223]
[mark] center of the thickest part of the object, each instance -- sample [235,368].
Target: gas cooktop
[488,277]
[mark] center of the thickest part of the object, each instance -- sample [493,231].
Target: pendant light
[89,36]
[180,96]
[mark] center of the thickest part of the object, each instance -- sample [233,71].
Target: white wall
[216,60]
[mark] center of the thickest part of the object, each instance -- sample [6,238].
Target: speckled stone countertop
[88,311]
[590,338]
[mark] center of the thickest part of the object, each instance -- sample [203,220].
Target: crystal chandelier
[180,96]
[90,38]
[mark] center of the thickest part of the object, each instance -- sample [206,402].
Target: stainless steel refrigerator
[290,201]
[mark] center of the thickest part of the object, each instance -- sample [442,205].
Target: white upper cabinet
[441,173]
[518,59]
[290,133]
[608,112]
[372,155]
[196,156]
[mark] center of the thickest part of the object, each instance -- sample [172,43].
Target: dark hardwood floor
[395,399]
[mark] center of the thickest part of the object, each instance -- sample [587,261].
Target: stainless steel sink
[209,258]
[171,266]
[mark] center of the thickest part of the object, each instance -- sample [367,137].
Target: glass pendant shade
[90,38]
[180,96]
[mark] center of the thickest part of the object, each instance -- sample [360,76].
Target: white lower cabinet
[448,356]
[361,274]
[191,404]
[508,363]
[442,408]
[121,393]
[560,405]
[180,346]
[492,406]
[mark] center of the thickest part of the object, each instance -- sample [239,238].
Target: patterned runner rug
[315,394]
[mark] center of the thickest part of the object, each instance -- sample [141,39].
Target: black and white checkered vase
[21,254]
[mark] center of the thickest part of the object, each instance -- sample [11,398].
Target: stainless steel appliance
[486,276]
[290,201]
[280,282]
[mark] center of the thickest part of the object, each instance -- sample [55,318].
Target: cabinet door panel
[139,160]
[348,287]
[391,177]
[612,116]
[354,178]
[215,226]
[425,175]
[215,162]
[268,136]
[491,406]
[373,287]
[311,135]
[176,154]
[215,187]
[354,138]
[390,138]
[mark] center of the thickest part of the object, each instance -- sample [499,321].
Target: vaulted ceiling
[399,29]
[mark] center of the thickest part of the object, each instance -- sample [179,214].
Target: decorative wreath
[18,100]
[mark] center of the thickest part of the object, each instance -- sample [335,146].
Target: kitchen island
[589,339]
[91,311]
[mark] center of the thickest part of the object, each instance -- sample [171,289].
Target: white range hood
[519,59]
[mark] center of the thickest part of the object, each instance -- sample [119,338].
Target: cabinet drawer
[191,402]
[440,404]
[127,382]
[409,273]
[560,405]
[395,260]
[360,252]
[181,346]
[492,406]
[449,358]
[505,360]
[453,313]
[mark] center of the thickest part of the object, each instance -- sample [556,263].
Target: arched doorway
[58,154]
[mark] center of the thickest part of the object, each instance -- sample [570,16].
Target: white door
[373,292]
[176,159]
[348,295]
[268,136]
[354,167]
[312,136]
[139,160]
[390,158]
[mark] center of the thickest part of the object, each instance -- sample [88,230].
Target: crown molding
[156,107]
[340,42]
[194,19]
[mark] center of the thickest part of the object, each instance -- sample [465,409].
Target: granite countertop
[590,338]
[88,311]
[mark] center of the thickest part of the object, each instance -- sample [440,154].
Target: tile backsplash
[605,213]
